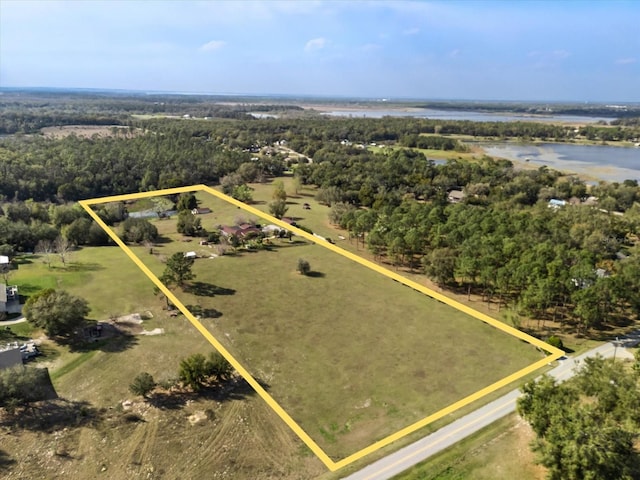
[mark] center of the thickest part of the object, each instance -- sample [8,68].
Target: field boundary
[332,465]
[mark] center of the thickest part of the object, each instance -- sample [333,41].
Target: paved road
[410,455]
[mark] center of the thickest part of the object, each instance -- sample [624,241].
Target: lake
[614,164]
[462,115]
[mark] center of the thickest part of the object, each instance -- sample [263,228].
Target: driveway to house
[20,319]
[407,457]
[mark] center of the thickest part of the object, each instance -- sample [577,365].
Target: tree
[20,386]
[230,182]
[218,366]
[244,193]
[303,266]
[189,224]
[138,230]
[278,208]
[585,427]
[178,270]
[279,193]
[56,311]
[186,202]
[77,233]
[45,248]
[63,249]
[193,371]
[142,384]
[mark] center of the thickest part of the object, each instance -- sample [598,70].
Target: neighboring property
[556,203]
[200,211]
[190,255]
[9,299]
[272,230]
[456,196]
[5,264]
[240,231]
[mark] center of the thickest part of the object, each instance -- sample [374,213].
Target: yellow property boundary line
[315,448]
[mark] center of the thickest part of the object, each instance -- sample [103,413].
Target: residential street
[410,455]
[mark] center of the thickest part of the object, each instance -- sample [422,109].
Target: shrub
[303,266]
[142,384]
[555,342]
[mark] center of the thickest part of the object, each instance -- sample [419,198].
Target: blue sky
[499,50]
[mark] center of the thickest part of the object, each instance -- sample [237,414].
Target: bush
[305,229]
[142,384]
[303,266]
[213,237]
[555,342]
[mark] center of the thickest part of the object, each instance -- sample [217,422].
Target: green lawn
[113,286]
[351,355]
[500,451]
[104,276]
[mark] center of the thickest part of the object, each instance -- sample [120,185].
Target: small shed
[200,211]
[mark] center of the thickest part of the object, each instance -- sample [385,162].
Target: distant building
[9,299]
[240,231]
[456,196]
[200,211]
[555,203]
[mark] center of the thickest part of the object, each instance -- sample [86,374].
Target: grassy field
[351,355]
[104,276]
[498,452]
[317,219]
[193,437]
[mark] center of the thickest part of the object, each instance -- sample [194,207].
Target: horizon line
[309,96]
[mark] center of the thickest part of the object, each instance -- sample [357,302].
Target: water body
[614,164]
[263,115]
[463,115]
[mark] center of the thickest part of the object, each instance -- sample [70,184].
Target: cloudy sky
[510,50]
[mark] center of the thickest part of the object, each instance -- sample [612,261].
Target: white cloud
[213,45]
[315,44]
[626,61]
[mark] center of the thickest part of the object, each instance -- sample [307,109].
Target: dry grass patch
[351,355]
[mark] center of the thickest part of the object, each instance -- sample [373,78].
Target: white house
[9,299]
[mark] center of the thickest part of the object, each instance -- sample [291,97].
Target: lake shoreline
[580,162]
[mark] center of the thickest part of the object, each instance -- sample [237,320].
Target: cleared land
[85,131]
[351,355]
[237,436]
